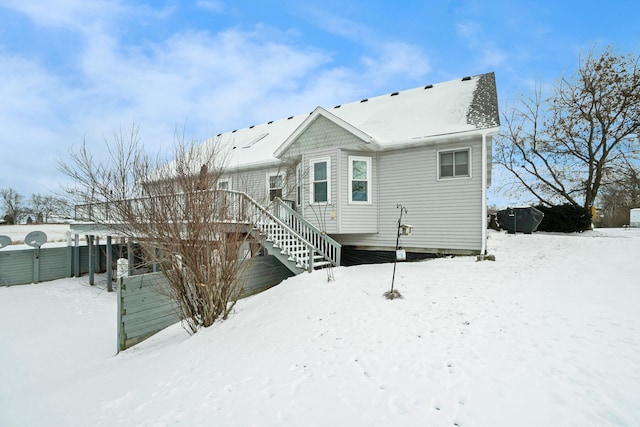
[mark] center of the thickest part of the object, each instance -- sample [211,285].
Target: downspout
[483,223]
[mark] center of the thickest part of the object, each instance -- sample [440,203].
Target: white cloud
[484,51]
[211,5]
[384,57]
[69,14]
[212,81]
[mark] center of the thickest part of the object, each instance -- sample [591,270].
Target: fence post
[92,262]
[69,266]
[76,256]
[36,265]
[109,269]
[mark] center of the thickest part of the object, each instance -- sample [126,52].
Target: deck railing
[324,245]
[286,230]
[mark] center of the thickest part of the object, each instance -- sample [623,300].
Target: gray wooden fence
[30,265]
[145,309]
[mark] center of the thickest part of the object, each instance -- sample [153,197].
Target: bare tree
[567,147]
[44,206]
[195,233]
[12,204]
[619,196]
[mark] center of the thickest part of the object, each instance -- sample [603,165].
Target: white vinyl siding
[298,185]
[445,214]
[320,180]
[322,134]
[359,180]
[357,217]
[322,215]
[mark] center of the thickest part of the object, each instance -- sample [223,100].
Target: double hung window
[320,178]
[454,164]
[276,184]
[359,179]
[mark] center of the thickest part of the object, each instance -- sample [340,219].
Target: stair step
[321,264]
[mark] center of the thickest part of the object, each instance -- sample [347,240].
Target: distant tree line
[39,208]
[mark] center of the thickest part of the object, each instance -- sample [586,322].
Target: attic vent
[394,93]
[464,79]
[428,86]
[252,126]
[337,106]
[219,134]
[290,117]
[234,131]
[254,140]
[270,122]
[364,100]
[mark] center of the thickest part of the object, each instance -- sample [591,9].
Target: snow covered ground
[55,232]
[548,335]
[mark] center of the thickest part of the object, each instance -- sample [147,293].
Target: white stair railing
[324,245]
[298,249]
[300,240]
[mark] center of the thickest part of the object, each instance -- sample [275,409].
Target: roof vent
[234,131]
[364,100]
[219,134]
[270,122]
[428,86]
[290,117]
[395,93]
[337,106]
[464,79]
[252,126]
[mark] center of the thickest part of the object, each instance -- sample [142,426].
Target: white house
[325,186]
[345,169]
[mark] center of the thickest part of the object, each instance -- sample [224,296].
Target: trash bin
[523,219]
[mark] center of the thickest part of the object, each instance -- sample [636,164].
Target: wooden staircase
[284,233]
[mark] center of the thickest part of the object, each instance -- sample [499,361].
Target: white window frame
[369,162]
[227,180]
[284,183]
[455,150]
[312,163]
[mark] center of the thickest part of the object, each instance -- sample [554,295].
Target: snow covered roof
[387,122]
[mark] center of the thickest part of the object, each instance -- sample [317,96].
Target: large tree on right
[568,147]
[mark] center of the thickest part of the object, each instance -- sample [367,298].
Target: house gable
[322,130]
[322,134]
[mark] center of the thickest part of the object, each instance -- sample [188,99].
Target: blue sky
[74,70]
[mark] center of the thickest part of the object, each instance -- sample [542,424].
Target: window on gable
[320,181]
[276,184]
[359,179]
[454,164]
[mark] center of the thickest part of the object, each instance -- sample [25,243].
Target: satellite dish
[4,241]
[35,239]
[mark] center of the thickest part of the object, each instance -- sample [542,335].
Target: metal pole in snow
[395,258]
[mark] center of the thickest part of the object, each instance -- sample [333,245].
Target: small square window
[454,164]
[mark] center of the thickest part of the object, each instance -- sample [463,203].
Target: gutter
[433,139]
[483,223]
